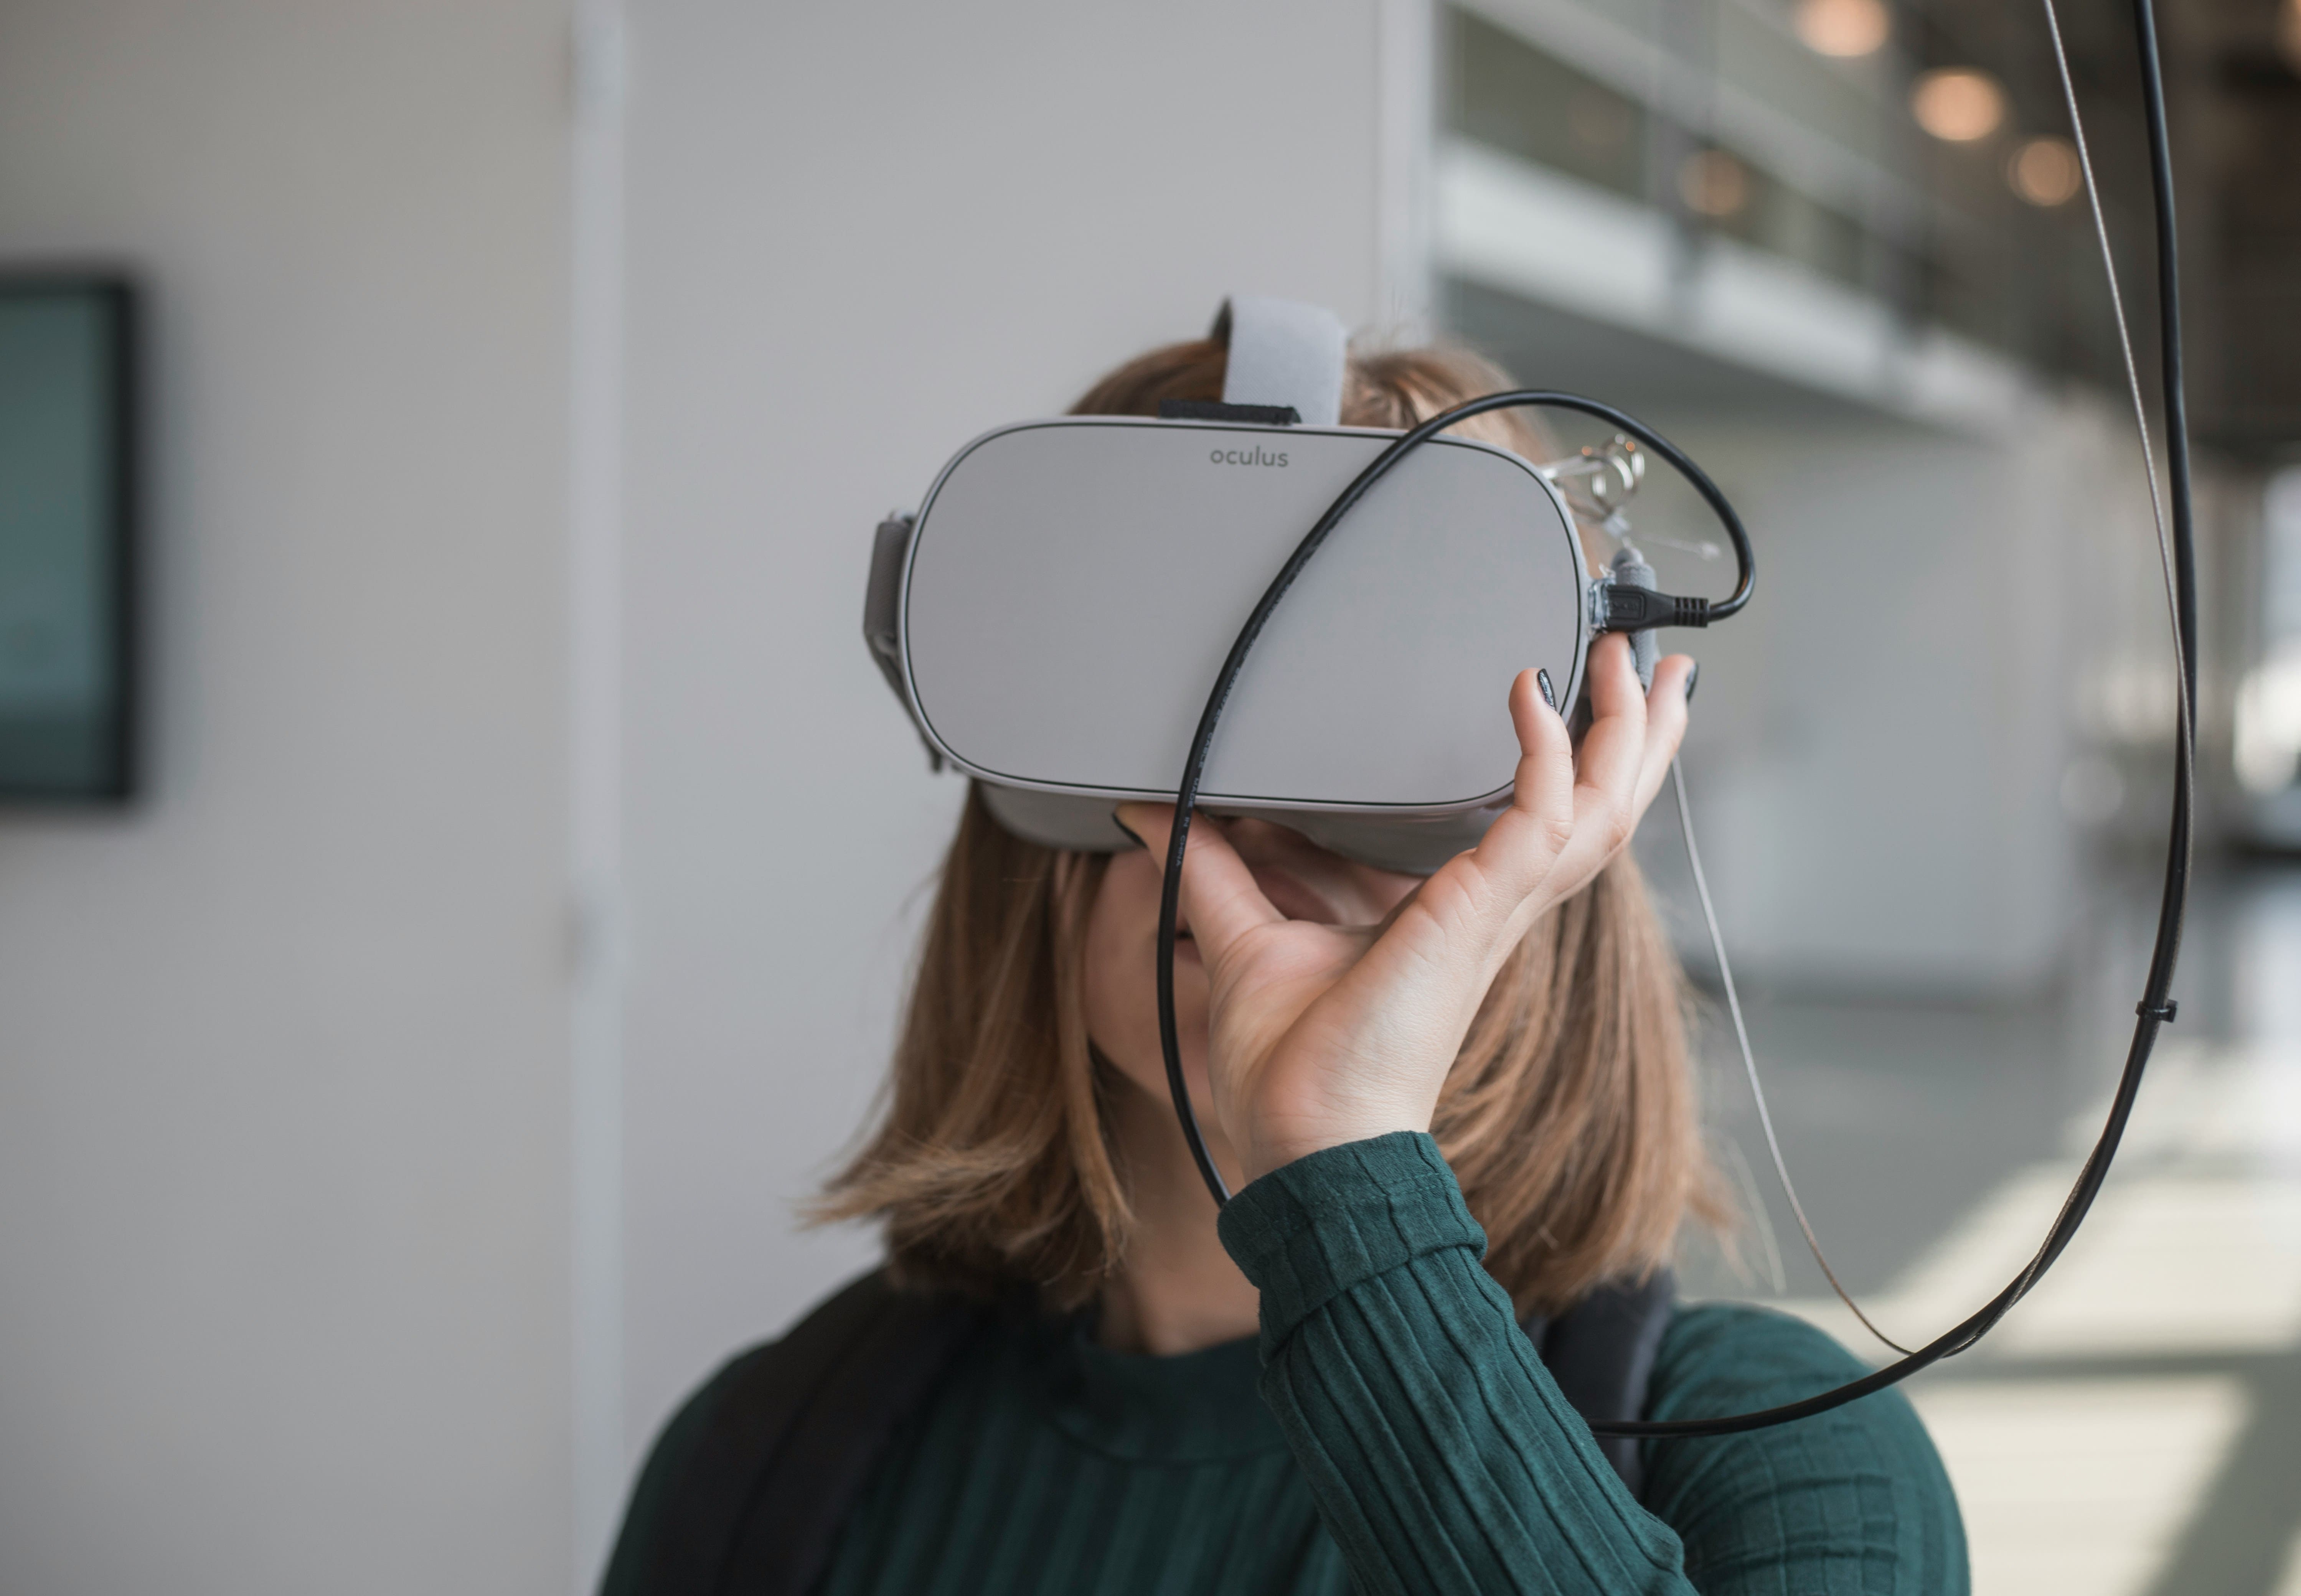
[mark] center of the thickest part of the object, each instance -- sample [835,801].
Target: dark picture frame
[68,537]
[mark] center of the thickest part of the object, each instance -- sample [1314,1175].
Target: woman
[1451,1108]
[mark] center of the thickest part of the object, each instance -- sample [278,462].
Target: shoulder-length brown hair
[1570,1115]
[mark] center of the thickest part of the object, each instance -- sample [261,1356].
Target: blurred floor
[2134,1427]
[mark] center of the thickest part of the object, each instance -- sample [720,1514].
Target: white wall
[860,235]
[285,1083]
[1879,748]
[282,1091]
[286,1063]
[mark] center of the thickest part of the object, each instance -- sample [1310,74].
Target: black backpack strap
[773,1453]
[1600,1351]
[789,1434]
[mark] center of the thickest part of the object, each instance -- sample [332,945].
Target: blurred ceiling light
[2045,171]
[1958,103]
[1843,28]
[1713,183]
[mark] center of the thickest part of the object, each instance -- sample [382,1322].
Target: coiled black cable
[2156,1007]
[1700,610]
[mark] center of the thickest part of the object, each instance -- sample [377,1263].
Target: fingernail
[1692,677]
[1129,830]
[1549,693]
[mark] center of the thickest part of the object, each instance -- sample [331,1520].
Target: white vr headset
[1053,613]
[1057,612]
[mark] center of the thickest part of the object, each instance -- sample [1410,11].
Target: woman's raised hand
[1323,1035]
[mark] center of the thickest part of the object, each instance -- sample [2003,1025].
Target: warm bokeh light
[2045,171]
[1843,28]
[2288,33]
[1958,103]
[1713,183]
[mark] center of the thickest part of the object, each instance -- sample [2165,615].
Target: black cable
[2155,1007]
[1692,612]
[2177,469]
[2169,338]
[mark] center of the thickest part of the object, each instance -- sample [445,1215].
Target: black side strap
[1214,410]
[1602,1354]
[794,1436]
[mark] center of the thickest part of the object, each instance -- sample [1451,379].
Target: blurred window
[1985,235]
[2267,748]
[1509,95]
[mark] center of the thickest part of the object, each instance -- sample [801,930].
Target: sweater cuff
[1312,1230]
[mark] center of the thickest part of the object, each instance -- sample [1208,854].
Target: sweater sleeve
[1443,1457]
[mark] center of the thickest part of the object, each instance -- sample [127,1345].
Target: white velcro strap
[1284,352]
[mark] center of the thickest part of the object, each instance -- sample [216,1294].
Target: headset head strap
[1283,353]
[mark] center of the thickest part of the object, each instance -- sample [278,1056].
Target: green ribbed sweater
[1394,1431]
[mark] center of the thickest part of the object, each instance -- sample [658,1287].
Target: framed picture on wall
[67,538]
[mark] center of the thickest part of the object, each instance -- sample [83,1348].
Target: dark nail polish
[1549,693]
[1130,830]
[1692,677]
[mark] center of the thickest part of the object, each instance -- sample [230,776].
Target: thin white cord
[2180,677]
[1749,1060]
[2125,346]
[2148,464]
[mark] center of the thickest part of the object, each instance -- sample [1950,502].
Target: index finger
[1606,777]
[1614,747]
